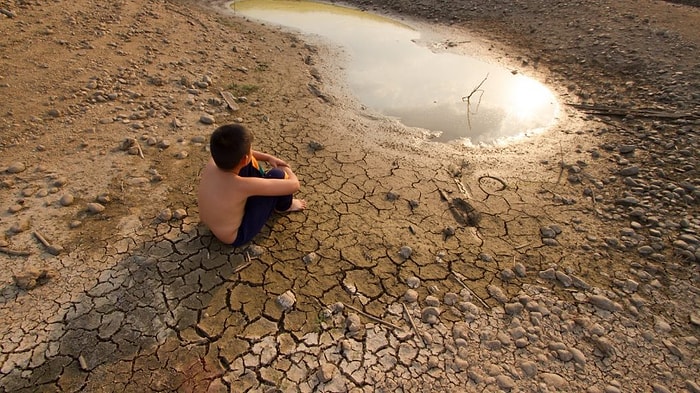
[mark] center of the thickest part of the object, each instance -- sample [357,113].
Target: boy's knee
[276,173]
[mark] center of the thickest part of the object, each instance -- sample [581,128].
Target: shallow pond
[392,74]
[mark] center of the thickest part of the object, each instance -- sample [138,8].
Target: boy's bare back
[221,202]
[222,198]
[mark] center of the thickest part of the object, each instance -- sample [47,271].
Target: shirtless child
[236,197]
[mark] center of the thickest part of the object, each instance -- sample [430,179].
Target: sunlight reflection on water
[393,75]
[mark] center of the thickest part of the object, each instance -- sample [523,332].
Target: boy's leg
[258,210]
[283,201]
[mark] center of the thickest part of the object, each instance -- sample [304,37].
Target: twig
[372,317]
[413,324]
[616,111]
[562,164]
[468,97]
[241,267]
[459,280]
[52,249]
[12,252]
[522,246]
[138,147]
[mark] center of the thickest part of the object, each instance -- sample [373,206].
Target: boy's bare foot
[297,205]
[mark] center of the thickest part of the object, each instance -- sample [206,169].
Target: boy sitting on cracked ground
[236,196]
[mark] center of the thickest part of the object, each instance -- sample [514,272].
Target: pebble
[326,372]
[16,167]
[286,300]
[405,252]
[413,282]
[411,296]
[207,119]
[165,215]
[95,207]
[603,302]
[67,200]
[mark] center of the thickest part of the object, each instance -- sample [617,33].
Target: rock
[410,296]
[497,293]
[413,282]
[430,315]
[179,214]
[326,372]
[316,146]
[513,308]
[629,171]
[16,167]
[450,298]
[432,301]
[95,207]
[310,258]
[554,380]
[207,119]
[658,388]
[505,382]
[603,302]
[32,278]
[165,215]
[405,252]
[67,200]
[286,300]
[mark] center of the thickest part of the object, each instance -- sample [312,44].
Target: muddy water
[457,97]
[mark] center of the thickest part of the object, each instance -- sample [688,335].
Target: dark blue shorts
[258,209]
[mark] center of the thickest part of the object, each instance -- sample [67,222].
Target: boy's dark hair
[229,144]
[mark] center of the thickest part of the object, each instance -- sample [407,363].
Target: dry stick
[468,100]
[52,249]
[562,164]
[372,317]
[470,290]
[12,252]
[138,147]
[42,239]
[413,324]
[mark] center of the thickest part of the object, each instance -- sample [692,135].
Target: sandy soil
[107,275]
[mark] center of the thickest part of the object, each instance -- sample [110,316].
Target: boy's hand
[275,162]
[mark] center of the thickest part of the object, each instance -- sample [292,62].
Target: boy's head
[229,145]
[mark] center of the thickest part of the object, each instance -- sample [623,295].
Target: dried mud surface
[567,262]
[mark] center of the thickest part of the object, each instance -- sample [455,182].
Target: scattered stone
[430,315]
[432,301]
[311,258]
[16,167]
[411,296]
[67,200]
[32,278]
[207,119]
[179,214]
[413,282]
[392,196]
[316,146]
[405,252]
[497,293]
[94,207]
[554,380]
[165,215]
[326,372]
[603,302]
[286,300]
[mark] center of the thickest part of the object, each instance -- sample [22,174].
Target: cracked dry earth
[567,262]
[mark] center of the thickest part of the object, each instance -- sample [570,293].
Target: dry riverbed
[568,262]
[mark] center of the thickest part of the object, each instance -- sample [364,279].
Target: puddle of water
[392,74]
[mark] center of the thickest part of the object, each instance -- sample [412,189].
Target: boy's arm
[271,187]
[270,159]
